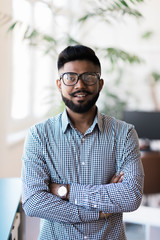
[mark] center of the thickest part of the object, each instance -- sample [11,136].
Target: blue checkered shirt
[56,152]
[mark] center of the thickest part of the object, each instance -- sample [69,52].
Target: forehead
[79,66]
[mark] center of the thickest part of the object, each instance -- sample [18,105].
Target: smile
[80,95]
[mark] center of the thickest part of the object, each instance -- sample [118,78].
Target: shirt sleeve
[36,199]
[116,197]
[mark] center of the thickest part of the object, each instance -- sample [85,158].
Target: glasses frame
[78,77]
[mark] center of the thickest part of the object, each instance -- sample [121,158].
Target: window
[33,72]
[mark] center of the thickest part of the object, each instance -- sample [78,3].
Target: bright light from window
[21,64]
[21,82]
[32,71]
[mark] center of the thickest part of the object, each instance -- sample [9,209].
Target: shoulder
[116,126]
[47,125]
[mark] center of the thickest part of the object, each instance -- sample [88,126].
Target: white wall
[10,155]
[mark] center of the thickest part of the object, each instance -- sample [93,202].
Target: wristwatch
[62,191]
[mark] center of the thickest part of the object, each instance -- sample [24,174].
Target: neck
[82,121]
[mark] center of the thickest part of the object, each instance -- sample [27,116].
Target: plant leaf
[48,38]
[156,76]
[124,3]
[114,54]
[13,25]
[147,35]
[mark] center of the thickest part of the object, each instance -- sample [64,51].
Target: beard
[80,108]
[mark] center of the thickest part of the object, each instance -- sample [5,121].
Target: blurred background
[126,38]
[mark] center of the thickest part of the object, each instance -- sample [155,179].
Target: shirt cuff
[81,195]
[78,197]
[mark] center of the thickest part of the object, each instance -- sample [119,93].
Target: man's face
[80,98]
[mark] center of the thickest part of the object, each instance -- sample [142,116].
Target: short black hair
[77,52]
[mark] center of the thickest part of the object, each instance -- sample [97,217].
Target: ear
[58,82]
[101,83]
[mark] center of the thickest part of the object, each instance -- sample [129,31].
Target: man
[69,160]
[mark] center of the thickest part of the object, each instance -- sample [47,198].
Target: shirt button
[85,237]
[75,201]
[95,206]
[83,163]
[83,139]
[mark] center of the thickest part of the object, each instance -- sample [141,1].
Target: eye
[90,77]
[71,78]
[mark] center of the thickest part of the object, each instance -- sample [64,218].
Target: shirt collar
[65,121]
[98,120]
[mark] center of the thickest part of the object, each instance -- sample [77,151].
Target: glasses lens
[90,78]
[69,78]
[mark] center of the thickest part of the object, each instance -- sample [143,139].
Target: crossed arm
[40,199]
[115,179]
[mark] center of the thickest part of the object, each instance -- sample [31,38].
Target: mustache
[80,91]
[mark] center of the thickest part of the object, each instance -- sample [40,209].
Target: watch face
[62,191]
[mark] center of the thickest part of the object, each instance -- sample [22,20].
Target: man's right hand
[115,179]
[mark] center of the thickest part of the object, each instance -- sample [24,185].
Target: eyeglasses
[88,78]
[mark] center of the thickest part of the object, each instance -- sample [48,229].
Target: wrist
[68,191]
[63,191]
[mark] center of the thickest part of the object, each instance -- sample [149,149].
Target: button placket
[82,140]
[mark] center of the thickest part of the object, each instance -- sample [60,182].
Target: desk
[10,191]
[151,164]
[148,216]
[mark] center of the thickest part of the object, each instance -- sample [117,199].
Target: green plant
[101,11]
[109,10]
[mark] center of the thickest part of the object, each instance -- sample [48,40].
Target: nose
[80,84]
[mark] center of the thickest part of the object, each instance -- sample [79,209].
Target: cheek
[97,89]
[65,90]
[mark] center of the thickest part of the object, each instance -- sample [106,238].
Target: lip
[80,95]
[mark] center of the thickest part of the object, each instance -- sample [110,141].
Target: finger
[114,178]
[106,215]
[121,173]
[117,178]
[121,176]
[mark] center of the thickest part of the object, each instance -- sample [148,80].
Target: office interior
[28,92]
